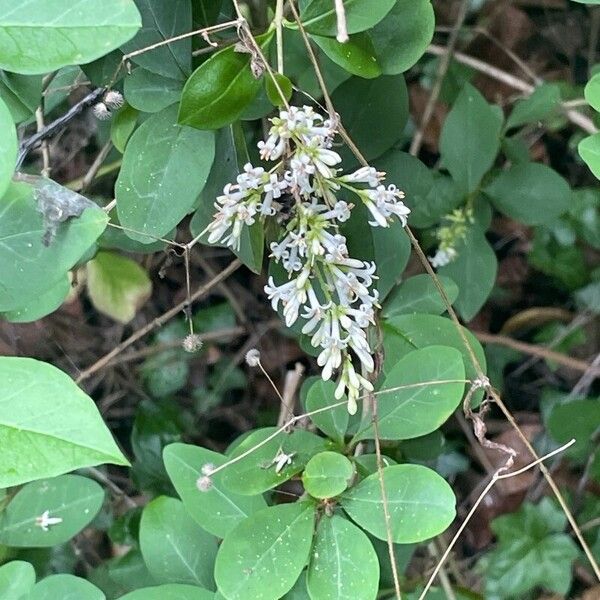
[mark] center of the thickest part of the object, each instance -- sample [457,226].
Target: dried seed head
[113,99]
[204,483]
[207,469]
[253,357]
[192,343]
[101,111]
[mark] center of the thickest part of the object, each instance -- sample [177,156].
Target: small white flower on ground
[45,520]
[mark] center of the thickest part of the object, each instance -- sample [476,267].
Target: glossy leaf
[74,499]
[65,587]
[333,422]
[165,167]
[150,92]
[117,285]
[405,333]
[327,474]
[414,411]
[172,591]
[16,579]
[470,138]
[402,36]
[418,294]
[162,21]
[421,504]
[475,261]
[48,426]
[122,126]
[592,92]
[589,150]
[274,94]
[374,112]
[175,548]
[29,267]
[357,55]
[220,89]
[264,555]
[8,147]
[319,16]
[217,510]
[41,305]
[542,103]
[37,36]
[531,193]
[343,563]
[261,470]
[21,93]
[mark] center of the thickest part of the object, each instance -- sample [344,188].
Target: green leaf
[220,89]
[173,591]
[357,55]
[29,267]
[175,548]
[374,112]
[405,333]
[74,499]
[217,510]
[531,193]
[333,422]
[577,419]
[421,504]
[16,579]
[39,36]
[233,154]
[532,551]
[542,103]
[8,147]
[65,587]
[165,167]
[415,411]
[259,471]
[117,285]
[162,21]
[285,85]
[21,93]
[470,138]
[475,261]
[41,305]
[403,35]
[592,92]
[48,426]
[319,16]
[122,126]
[589,150]
[264,555]
[343,564]
[150,92]
[418,294]
[327,474]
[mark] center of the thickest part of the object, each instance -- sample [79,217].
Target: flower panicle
[330,291]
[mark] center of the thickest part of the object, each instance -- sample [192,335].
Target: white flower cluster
[328,289]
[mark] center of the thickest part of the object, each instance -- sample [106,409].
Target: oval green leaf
[531,193]
[73,499]
[16,579]
[65,587]
[122,126]
[165,167]
[421,504]
[48,426]
[217,510]
[173,591]
[589,150]
[332,422]
[592,92]
[175,548]
[41,305]
[418,294]
[343,563]
[264,555]
[423,405]
[40,36]
[327,474]
[150,92]
[357,55]
[8,147]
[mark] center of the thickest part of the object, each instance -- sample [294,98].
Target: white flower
[368,175]
[113,99]
[101,111]
[45,520]
[442,257]
[253,357]
[384,203]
